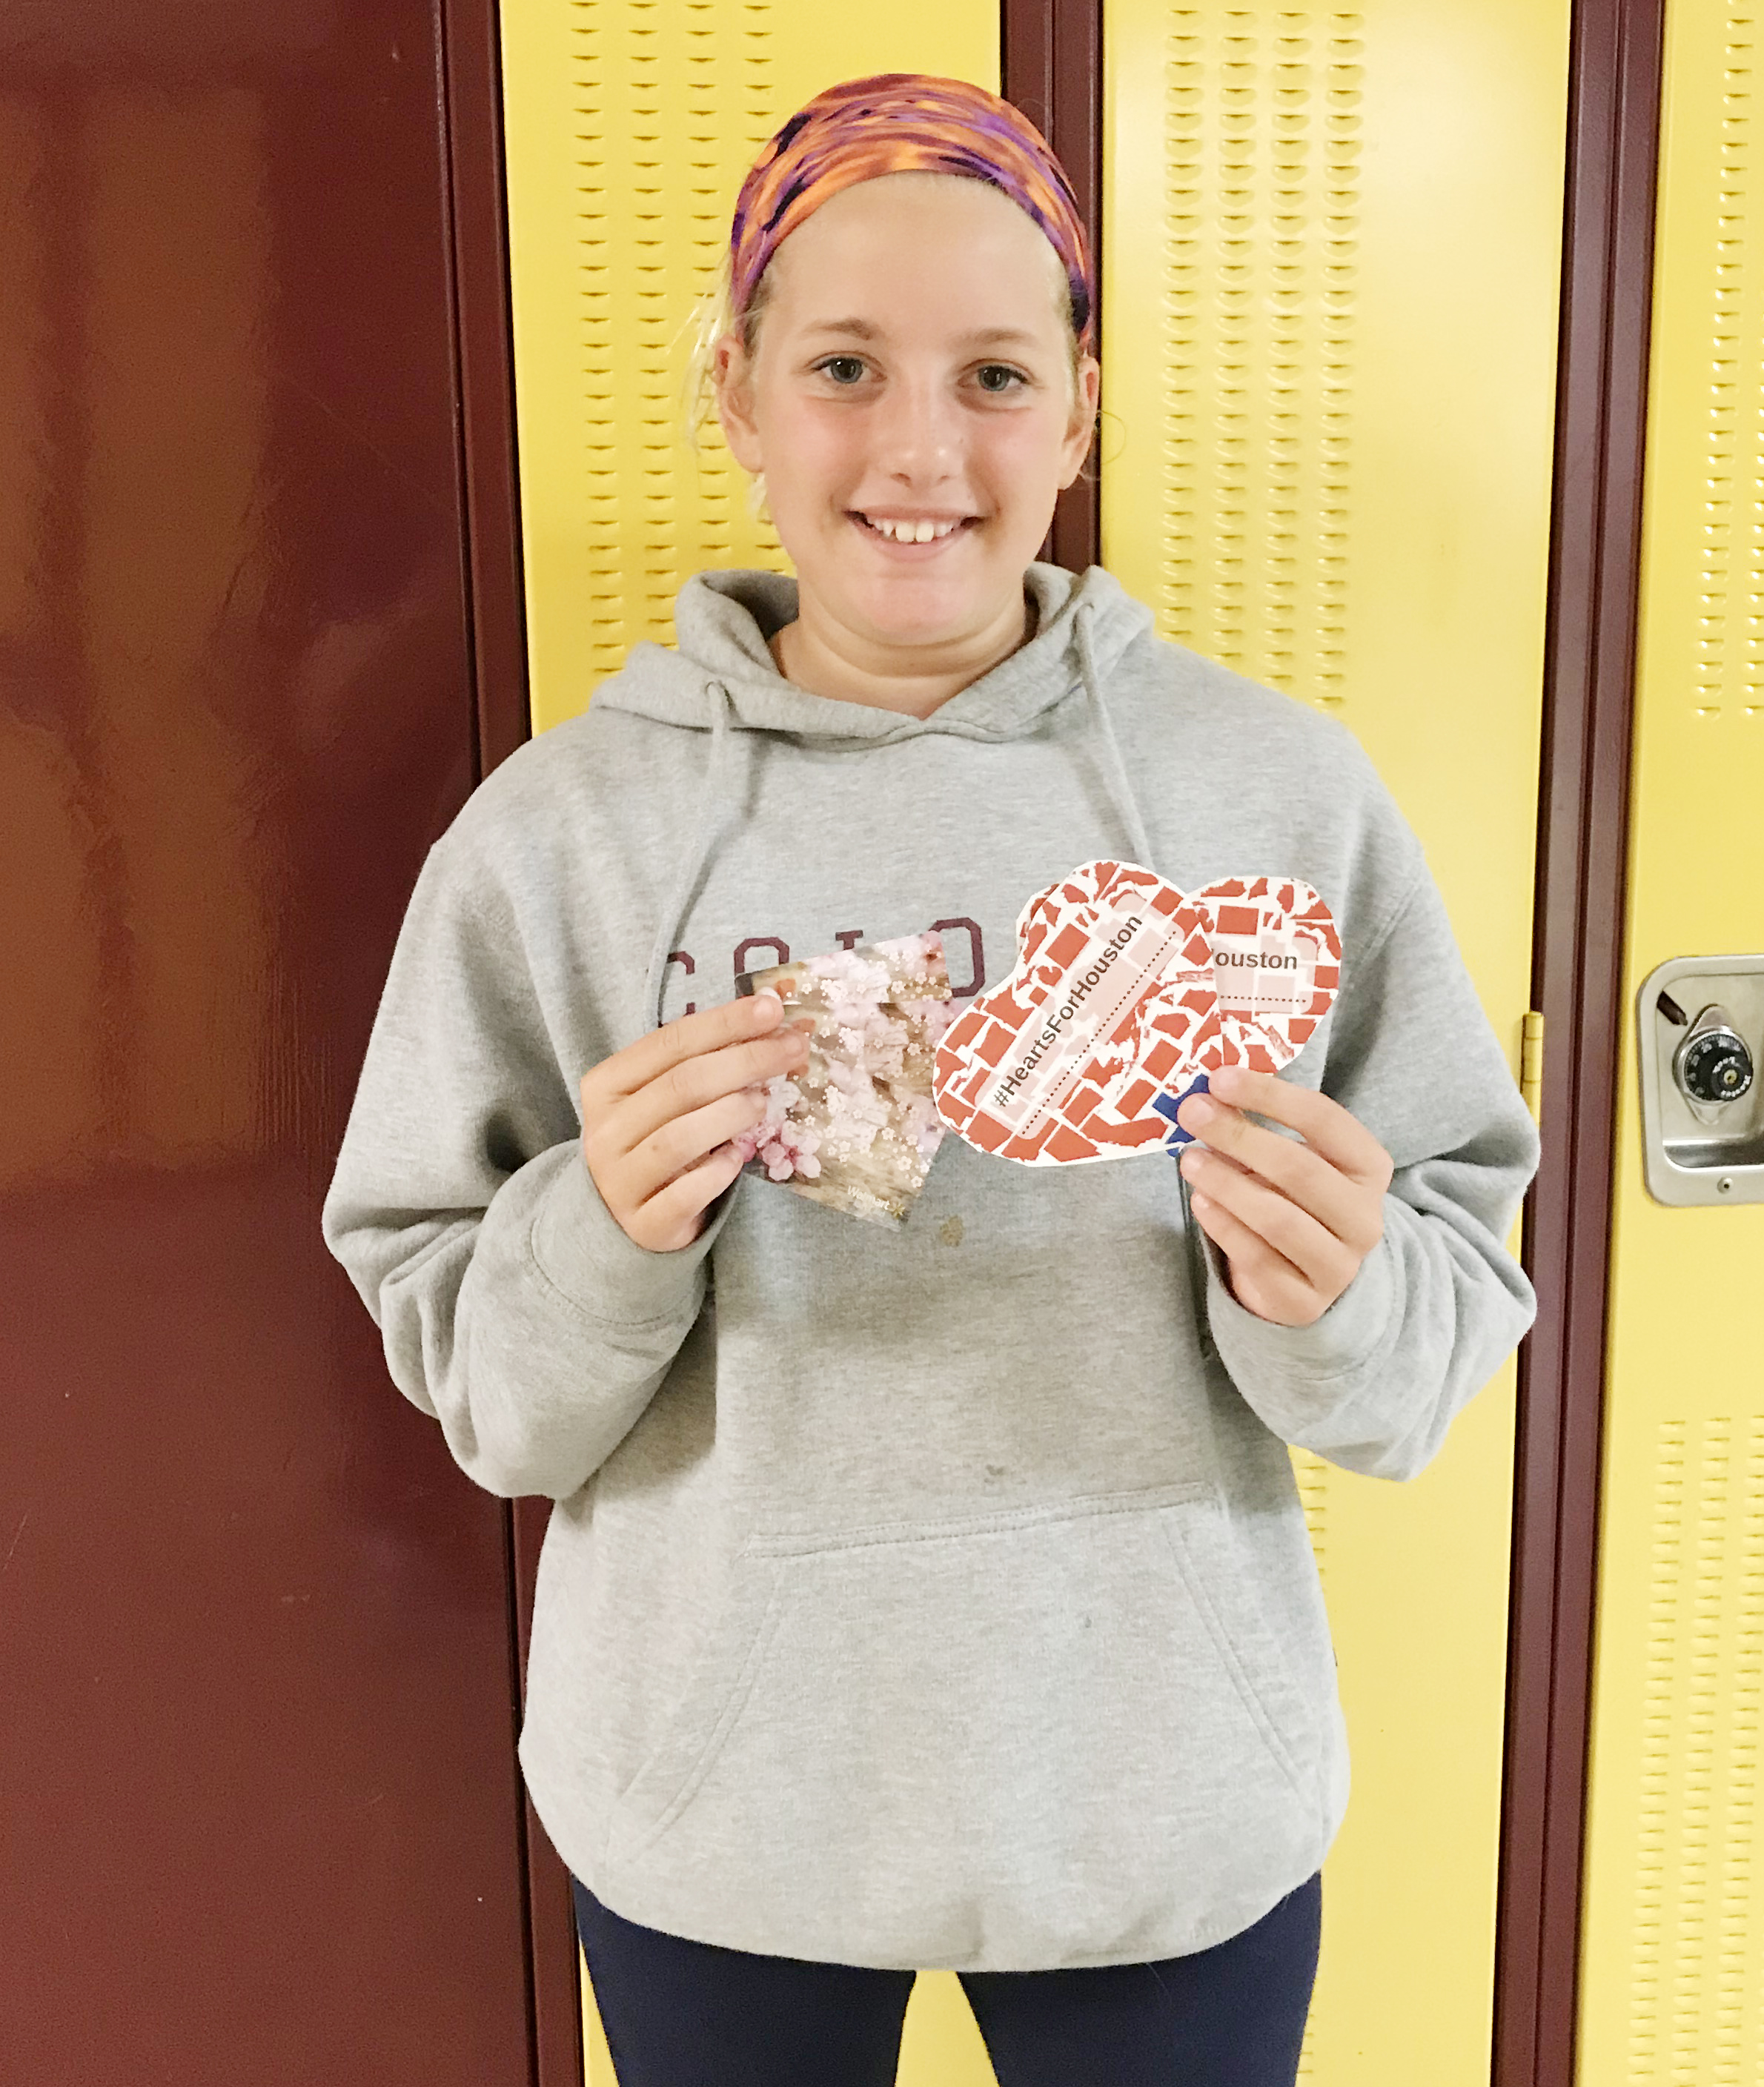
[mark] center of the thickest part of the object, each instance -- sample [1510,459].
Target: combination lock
[1713,1065]
[1702,1100]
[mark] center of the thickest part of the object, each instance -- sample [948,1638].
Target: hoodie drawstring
[719,797]
[1120,789]
[714,803]
[1114,769]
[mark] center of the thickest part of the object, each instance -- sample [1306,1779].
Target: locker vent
[1262,196]
[1696,2008]
[1728,668]
[1311,1472]
[672,98]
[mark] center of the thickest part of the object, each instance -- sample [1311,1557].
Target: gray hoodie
[936,1596]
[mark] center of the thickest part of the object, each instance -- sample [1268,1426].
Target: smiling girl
[938,1596]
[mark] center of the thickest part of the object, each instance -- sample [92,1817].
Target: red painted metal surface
[260,1819]
[1052,55]
[1613,145]
[481,299]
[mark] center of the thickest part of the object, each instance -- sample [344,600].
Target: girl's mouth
[913,536]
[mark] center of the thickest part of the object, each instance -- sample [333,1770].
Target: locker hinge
[1531,1065]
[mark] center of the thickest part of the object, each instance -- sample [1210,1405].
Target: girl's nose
[916,433]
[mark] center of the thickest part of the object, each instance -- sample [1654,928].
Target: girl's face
[913,378]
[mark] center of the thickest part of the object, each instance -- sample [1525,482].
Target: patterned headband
[900,122]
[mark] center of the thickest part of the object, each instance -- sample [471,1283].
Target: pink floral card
[857,1128]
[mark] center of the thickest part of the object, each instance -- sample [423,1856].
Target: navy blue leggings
[689,2014]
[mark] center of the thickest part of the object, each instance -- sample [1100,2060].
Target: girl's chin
[937,624]
[919,608]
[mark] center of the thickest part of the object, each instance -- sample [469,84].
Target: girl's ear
[1082,424]
[732,381]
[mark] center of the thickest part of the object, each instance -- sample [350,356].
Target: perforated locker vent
[1696,2001]
[1261,183]
[1311,1474]
[674,99]
[1728,670]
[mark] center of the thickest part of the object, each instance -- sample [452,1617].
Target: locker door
[1332,243]
[629,124]
[1672,1961]
[260,1819]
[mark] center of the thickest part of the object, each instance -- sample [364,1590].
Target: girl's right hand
[658,1117]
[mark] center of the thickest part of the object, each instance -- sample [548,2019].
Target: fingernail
[1196,1109]
[765,997]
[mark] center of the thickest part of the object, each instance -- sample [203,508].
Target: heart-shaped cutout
[1126,994]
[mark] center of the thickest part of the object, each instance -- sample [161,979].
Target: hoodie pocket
[1080,1702]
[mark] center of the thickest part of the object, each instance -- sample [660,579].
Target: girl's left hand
[1294,1221]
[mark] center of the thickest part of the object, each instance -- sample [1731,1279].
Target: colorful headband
[901,122]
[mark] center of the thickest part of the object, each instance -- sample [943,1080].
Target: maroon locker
[261,1819]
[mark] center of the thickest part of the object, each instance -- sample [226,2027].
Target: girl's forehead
[919,199]
[911,246]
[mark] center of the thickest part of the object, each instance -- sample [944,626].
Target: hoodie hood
[723,621]
[723,679]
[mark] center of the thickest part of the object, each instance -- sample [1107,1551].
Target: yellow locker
[1332,247]
[629,124]
[1329,305]
[1672,1947]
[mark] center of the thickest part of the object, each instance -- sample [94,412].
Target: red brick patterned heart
[1125,993]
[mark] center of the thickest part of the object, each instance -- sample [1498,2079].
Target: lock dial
[1713,1065]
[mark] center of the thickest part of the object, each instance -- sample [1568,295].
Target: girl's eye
[844,369]
[996,376]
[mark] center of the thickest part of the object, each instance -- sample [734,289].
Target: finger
[693,1083]
[1319,1255]
[683,1141]
[628,1071]
[671,1218]
[1261,1280]
[1348,1205]
[1324,1124]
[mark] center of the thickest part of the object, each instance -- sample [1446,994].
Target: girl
[939,1596]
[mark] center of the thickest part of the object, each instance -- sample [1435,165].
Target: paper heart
[1126,993]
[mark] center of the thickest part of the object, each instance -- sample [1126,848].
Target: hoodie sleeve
[513,1306]
[1439,1304]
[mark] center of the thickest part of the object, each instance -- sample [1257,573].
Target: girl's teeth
[913,532]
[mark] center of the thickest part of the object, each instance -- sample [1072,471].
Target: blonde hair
[709,320]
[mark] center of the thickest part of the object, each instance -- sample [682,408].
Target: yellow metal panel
[1332,251]
[629,124]
[1673,1944]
